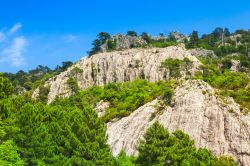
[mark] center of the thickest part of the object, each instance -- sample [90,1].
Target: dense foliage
[38,134]
[8,149]
[62,135]
[123,97]
[175,66]
[26,81]
[216,72]
[6,89]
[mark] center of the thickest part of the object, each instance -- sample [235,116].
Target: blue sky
[47,32]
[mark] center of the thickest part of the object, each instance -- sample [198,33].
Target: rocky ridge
[119,66]
[212,121]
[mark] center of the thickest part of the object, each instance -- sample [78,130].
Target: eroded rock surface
[235,65]
[124,42]
[125,133]
[120,66]
[200,52]
[213,122]
[101,107]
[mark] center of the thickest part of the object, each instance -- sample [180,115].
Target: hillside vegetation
[69,132]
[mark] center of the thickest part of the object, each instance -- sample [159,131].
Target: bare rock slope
[119,66]
[213,122]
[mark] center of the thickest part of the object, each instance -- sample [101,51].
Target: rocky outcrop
[120,66]
[101,107]
[235,65]
[180,38]
[213,122]
[124,42]
[126,133]
[35,94]
[200,52]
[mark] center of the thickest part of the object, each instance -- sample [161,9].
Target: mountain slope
[213,122]
[119,66]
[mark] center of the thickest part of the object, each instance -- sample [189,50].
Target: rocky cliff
[212,121]
[119,66]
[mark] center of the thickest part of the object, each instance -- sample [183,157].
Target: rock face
[126,133]
[179,37]
[202,52]
[101,107]
[126,41]
[120,66]
[235,65]
[213,122]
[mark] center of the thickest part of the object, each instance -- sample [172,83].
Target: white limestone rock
[213,122]
[120,66]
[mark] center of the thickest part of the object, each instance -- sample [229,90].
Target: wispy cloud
[15,28]
[70,38]
[12,47]
[13,54]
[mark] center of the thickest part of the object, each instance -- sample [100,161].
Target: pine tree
[194,40]
[159,147]
[60,134]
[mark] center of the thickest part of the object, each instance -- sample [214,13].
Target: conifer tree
[159,147]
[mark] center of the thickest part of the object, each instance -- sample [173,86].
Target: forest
[69,132]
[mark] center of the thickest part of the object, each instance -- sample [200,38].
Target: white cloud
[15,28]
[12,46]
[14,53]
[70,38]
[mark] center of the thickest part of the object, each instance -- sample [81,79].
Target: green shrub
[73,85]
[167,96]
[43,94]
[174,67]
[111,45]
[75,71]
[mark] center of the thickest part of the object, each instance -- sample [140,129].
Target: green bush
[174,67]
[111,45]
[43,94]
[167,96]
